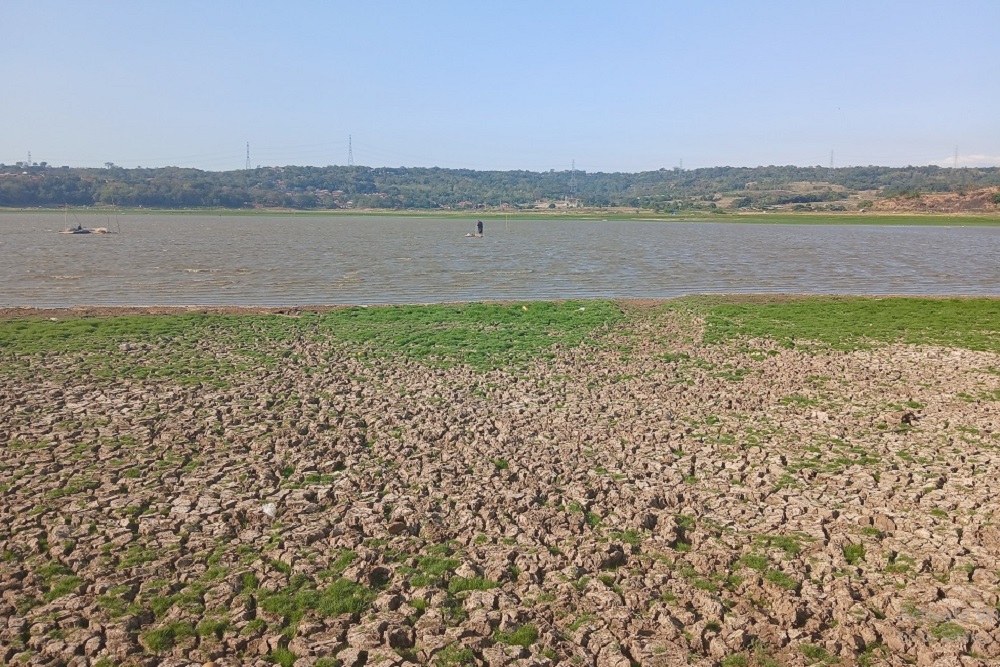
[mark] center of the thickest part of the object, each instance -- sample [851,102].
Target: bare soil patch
[943,202]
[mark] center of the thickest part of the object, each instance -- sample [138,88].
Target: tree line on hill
[339,187]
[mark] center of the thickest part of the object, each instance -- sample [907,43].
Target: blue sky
[538,85]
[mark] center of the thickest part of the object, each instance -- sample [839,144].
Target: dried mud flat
[645,499]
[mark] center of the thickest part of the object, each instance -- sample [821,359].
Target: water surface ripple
[199,260]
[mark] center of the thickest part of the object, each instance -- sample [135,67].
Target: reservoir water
[191,260]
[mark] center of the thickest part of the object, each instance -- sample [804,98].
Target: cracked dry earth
[641,499]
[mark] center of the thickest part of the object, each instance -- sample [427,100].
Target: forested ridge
[340,187]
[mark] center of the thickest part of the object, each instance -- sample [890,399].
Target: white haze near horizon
[968,161]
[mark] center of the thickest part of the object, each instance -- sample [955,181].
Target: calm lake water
[299,260]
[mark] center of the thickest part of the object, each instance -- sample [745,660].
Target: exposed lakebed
[275,490]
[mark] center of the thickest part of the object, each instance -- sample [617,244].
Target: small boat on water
[85,230]
[80,229]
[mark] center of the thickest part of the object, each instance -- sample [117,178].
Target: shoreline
[985,218]
[84,311]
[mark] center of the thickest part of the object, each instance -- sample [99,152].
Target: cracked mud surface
[641,499]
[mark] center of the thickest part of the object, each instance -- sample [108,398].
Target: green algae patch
[210,349]
[213,349]
[96,334]
[343,596]
[882,220]
[187,348]
[856,322]
[482,335]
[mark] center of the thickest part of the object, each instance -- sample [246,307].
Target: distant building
[558,203]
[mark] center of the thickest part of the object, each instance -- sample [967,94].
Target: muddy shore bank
[641,497]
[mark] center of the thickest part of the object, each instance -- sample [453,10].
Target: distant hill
[980,200]
[666,190]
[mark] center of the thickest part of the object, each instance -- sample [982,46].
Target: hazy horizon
[633,87]
[534,171]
